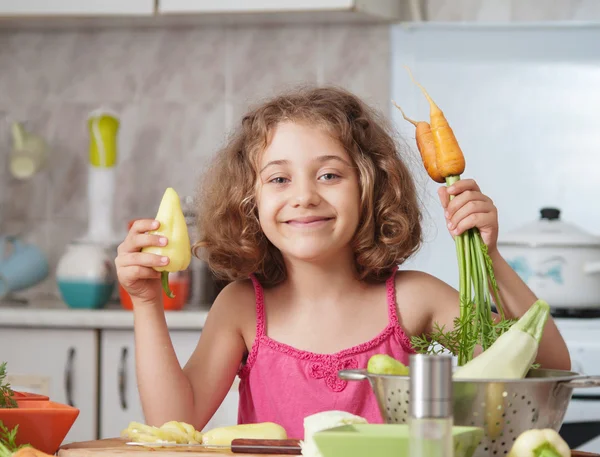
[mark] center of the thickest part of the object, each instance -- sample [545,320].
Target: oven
[581,426]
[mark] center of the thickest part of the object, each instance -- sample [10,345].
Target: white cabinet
[60,363]
[75,7]
[119,397]
[348,9]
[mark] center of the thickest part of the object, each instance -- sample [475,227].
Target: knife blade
[239,446]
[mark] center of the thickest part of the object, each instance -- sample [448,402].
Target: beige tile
[265,60]
[68,165]
[35,66]
[527,10]
[357,58]
[186,66]
[164,145]
[127,65]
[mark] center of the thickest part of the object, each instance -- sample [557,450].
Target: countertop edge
[30,317]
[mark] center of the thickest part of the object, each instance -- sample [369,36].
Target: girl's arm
[465,207]
[517,297]
[191,394]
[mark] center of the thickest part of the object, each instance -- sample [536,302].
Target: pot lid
[550,230]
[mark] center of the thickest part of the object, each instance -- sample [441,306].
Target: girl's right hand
[134,268]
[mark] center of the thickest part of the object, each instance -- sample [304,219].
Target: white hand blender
[86,274]
[103,127]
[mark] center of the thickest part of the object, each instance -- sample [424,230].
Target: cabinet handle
[69,377]
[123,378]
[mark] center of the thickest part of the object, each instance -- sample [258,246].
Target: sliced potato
[225,435]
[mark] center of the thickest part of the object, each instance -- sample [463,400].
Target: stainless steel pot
[558,261]
[503,408]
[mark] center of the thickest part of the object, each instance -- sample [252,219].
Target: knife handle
[252,446]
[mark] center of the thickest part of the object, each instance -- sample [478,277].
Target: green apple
[384,364]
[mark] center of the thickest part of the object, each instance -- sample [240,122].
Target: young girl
[307,211]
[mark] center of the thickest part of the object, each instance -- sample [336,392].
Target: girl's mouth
[312,221]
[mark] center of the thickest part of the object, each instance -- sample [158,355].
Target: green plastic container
[386,440]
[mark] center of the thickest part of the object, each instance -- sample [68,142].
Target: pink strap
[260,308]
[391,297]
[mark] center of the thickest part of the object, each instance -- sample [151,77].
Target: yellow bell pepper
[173,227]
[540,443]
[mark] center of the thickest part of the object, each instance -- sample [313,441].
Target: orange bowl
[42,423]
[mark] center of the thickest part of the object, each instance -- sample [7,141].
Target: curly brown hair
[389,230]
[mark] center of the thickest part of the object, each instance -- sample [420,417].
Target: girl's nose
[305,195]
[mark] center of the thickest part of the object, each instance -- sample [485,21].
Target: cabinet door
[59,363]
[75,7]
[244,6]
[120,401]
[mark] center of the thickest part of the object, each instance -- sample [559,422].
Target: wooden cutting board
[117,447]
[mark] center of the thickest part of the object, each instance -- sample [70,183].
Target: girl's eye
[279,180]
[329,176]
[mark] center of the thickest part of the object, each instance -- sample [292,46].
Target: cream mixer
[85,274]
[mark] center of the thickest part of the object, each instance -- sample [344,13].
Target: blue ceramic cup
[22,265]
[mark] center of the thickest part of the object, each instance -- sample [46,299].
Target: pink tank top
[282,384]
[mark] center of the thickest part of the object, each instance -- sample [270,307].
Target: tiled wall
[178,92]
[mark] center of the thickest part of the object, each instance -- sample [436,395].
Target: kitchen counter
[53,313]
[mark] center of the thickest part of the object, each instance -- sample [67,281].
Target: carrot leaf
[6,393]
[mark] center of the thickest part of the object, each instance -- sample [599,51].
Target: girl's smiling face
[308,195]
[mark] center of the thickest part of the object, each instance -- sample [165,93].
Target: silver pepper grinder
[431,415]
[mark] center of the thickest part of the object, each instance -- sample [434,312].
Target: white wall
[524,104]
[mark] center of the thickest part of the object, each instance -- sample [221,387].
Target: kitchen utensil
[103,126]
[22,265]
[559,261]
[42,423]
[116,446]
[503,408]
[430,414]
[386,440]
[28,154]
[85,275]
[238,446]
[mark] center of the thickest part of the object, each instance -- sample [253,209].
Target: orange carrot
[449,157]
[426,146]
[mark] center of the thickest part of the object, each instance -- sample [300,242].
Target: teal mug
[22,265]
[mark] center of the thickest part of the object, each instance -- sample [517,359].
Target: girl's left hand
[470,208]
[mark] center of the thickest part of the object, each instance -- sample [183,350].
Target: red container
[42,423]
[179,283]
[25,396]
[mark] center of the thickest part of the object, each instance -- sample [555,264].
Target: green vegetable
[444,161]
[8,438]
[477,289]
[4,451]
[384,364]
[513,353]
[6,393]
[540,443]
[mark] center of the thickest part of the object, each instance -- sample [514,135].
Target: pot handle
[583,381]
[591,267]
[353,375]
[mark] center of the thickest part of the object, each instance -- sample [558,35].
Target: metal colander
[502,408]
